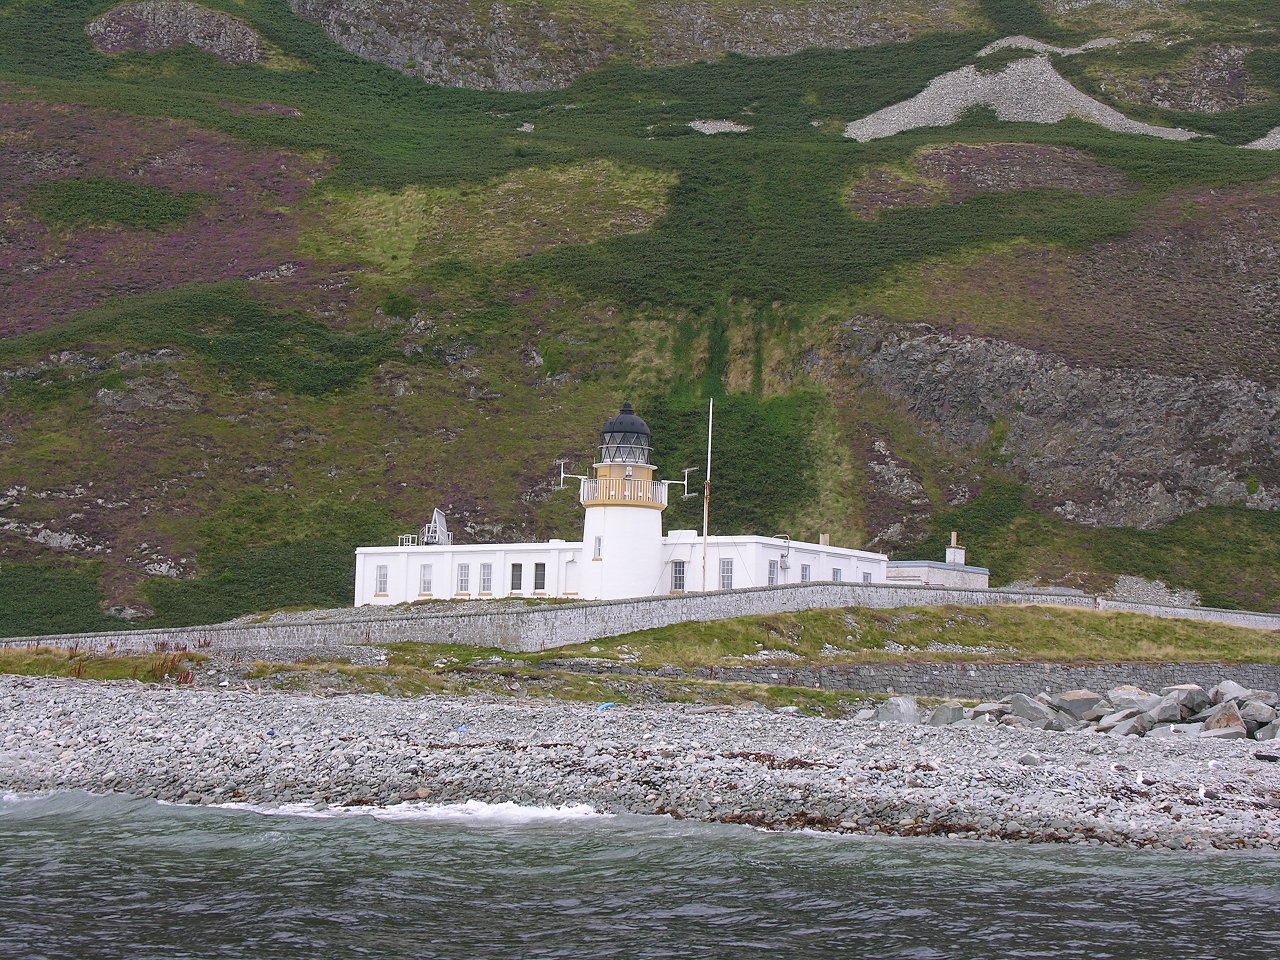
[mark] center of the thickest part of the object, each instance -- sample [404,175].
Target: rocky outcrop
[500,46]
[170,24]
[1104,447]
[1215,79]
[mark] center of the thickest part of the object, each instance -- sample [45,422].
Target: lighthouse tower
[622,531]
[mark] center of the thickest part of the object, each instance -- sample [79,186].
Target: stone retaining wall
[965,681]
[548,626]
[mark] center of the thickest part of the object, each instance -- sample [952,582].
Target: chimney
[824,539]
[955,552]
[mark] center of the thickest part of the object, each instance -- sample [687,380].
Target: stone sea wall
[548,626]
[964,681]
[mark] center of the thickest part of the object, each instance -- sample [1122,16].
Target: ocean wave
[472,810]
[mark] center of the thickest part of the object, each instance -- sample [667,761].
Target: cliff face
[530,46]
[1101,446]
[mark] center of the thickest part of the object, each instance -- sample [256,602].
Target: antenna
[566,476]
[706,491]
[682,484]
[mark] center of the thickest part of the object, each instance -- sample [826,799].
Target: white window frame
[539,577]
[726,573]
[866,577]
[517,577]
[598,550]
[837,575]
[464,578]
[806,573]
[486,578]
[424,579]
[678,575]
[773,573]
[380,580]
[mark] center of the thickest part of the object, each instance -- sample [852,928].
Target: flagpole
[706,492]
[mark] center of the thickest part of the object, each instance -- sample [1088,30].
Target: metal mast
[706,492]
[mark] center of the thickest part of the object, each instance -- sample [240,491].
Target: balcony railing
[622,491]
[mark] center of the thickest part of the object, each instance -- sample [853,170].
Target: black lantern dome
[625,438]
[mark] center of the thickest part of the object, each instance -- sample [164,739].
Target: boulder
[1129,697]
[1191,697]
[1227,717]
[1168,710]
[1098,711]
[1187,729]
[1133,727]
[1076,703]
[1269,697]
[898,710]
[1029,709]
[1270,732]
[946,714]
[1120,716]
[1223,733]
[993,710]
[1256,714]
[1229,690]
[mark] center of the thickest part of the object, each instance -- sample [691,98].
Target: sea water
[89,876]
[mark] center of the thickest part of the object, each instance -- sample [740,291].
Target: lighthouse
[622,531]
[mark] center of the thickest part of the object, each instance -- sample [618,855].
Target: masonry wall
[965,681]
[548,626]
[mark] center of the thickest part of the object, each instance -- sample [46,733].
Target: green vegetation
[1055,634]
[1227,554]
[51,662]
[103,201]
[43,599]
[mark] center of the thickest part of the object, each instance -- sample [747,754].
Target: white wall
[404,571]
[630,562]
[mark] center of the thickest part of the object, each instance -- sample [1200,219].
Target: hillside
[262,299]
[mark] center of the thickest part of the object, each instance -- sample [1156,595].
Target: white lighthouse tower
[622,531]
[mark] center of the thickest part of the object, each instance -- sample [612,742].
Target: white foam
[471,810]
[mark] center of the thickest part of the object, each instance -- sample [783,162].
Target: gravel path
[1028,90]
[738,766]
[1027,43]
[1270,142]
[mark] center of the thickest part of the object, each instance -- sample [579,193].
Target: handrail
[621,490]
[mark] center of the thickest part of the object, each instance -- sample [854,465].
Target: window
[866,578]
[726,574]
[424,578]
[773,573]
[599,549]
[517,577]
[380,580]
[486,578]
[677,576]
[464,578]
[806,573]
[837,574]
[539,576]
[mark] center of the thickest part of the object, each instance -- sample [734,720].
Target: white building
[623,552]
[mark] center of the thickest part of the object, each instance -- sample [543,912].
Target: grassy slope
[708,290]
[1012,633]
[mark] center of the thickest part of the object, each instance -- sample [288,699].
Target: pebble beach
[729,765]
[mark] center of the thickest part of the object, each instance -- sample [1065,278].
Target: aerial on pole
[706,491]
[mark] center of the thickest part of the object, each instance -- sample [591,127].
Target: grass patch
[500,221]
[1049,634]
[105,201]
[51,662]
